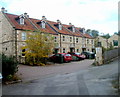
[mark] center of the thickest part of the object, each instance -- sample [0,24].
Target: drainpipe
[60,44]
[74,42]
[15,42]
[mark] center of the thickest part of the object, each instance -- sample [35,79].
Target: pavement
[84,80]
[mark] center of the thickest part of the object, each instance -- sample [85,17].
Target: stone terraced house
[106,43]
[13,32]
[114,40]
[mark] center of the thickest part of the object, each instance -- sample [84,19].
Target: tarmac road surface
[86,81]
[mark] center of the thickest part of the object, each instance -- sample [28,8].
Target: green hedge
[9,66]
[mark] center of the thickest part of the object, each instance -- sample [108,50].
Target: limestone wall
[7,35]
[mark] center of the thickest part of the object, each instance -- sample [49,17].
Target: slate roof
[33,24]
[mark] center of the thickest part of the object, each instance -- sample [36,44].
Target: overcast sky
[101,15]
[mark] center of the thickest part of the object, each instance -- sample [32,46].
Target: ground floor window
[56,51]
[115,43]
[72,49]
[83,49]
[63,50]
[77,50]
[23,52]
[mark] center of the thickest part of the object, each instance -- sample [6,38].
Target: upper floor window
[92,41]
[63,38]
[99,44]
[76,40]
[23,36]
[70,39]
[55,39]
[87,41]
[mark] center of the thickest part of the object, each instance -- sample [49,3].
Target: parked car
[89,55]
[77,56]
[1,77]
[61,57]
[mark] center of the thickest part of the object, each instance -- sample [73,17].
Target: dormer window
[43,24]
[21,20]
[73,29]
[60,27]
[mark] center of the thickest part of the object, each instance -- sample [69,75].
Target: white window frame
[87,41]
[55,39]
[43,24]
[77,50]
[22,20]
[91,41]
[63,38]
[73,29]
[24,36]
[63,50]
[77,40]
[60,27]
[23,53]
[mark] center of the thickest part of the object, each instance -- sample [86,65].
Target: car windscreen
[77,53]
[67,55]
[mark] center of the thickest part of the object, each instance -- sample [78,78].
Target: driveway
[27,73]
[86,81]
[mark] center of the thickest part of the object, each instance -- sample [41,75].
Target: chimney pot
[43,18]
[3,9]
[58,21]
[70,23]
[25,14]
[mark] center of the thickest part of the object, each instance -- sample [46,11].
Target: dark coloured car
[77,56]
[89,55]
[61,57]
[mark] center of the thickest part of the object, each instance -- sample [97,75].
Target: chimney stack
[58,21]
[3,10]
[25,15]
[43,18]
[70,24]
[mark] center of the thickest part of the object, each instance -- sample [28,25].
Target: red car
[61,57]
[77,55]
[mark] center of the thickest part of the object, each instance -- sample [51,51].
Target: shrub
[38,47]
[36,61]
[9,67]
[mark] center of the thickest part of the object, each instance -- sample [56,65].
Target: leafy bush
[38,47]
[35,61]
[9,67]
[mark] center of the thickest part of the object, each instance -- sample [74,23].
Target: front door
[72,49]
[56,51]
[83,49]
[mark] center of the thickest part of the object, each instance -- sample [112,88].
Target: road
[87,81]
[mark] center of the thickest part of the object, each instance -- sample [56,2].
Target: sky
[100,15]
